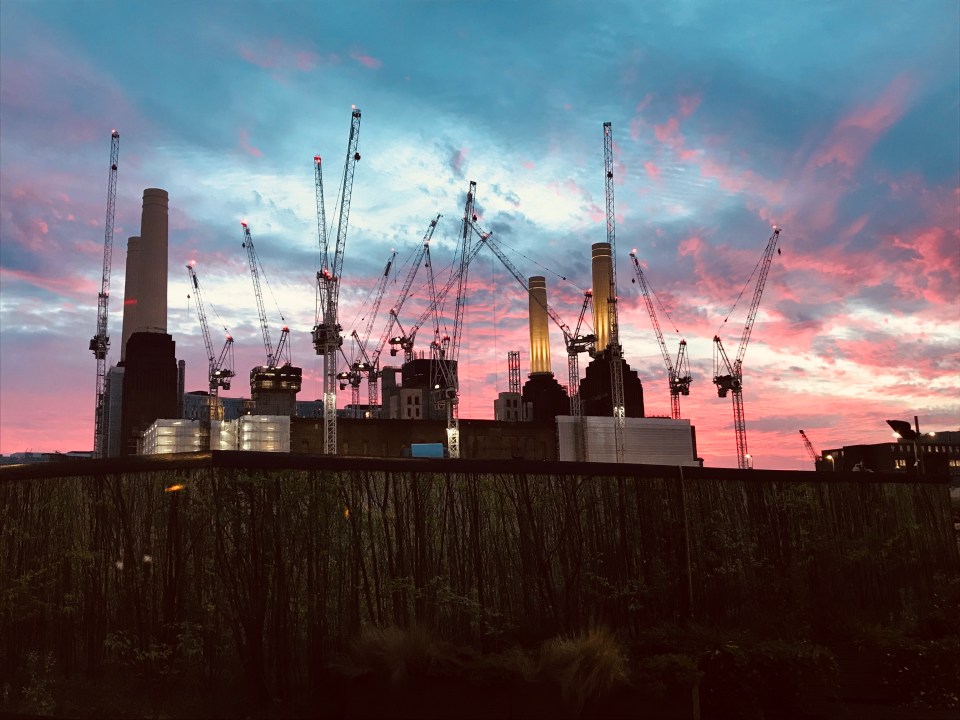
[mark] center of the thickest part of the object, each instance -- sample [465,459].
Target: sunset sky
[836,120]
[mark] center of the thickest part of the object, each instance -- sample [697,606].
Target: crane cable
[740,296]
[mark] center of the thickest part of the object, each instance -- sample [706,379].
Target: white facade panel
[650,441]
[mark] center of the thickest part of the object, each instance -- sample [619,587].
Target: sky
[837,121]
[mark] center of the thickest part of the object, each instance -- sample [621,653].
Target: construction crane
[678,373]
[219,368]
[444,372]
[100,343]
[362,366]
[374,376]
[326,332]
[727,376]
[282,353]
[405,340]
[808,446]
[576,345]
[616,351]
[572,339]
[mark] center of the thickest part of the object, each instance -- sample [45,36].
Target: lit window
[900,463]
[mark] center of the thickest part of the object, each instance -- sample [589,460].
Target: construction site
[593,413]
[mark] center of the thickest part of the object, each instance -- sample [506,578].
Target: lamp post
[902,429]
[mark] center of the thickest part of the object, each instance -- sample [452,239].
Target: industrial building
[533,421]
[930,453]
[145,408]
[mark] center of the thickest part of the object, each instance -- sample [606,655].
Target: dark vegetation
[275,586]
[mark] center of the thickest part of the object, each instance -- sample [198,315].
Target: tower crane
[406,340]
[445,374]
[326,332]
[808,446]
[616,351]
[219,367]
[374,376]
[727,376]
[283,349]
[573,340]
[362,366]
[678,373]
[100,343]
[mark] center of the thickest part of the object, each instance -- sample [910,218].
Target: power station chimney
[539,327]
[131,292]
[152,312]
[602,280]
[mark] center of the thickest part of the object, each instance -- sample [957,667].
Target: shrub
[585,667]
[770,678]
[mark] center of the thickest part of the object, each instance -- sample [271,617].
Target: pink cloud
[652,170]
[669,132]
[244,141]
[854,135]
[934,260]
[854,228]
[689,104]
[71,286]
[458,160]
[368,61]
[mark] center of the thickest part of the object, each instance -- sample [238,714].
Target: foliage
[920,672]
[764,679]
[658,676]
[585,666]
[257,575]
[38,694]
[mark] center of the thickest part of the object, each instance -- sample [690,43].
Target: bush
[922,673]
[770,678]
[585,667]
[660,676]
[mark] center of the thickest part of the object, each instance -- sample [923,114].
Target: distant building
[934,453]
[22,458]
[508,407]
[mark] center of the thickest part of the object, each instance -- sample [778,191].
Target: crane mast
[219,368]
[446,374]
[678,375]
[326,332]
[577,344]
[100,343]
[616,351]
[727,376]
[254,263]
[362,365]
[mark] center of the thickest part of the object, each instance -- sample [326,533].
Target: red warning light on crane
[316,159]
[243,222]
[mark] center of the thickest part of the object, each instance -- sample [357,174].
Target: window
[900,463]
